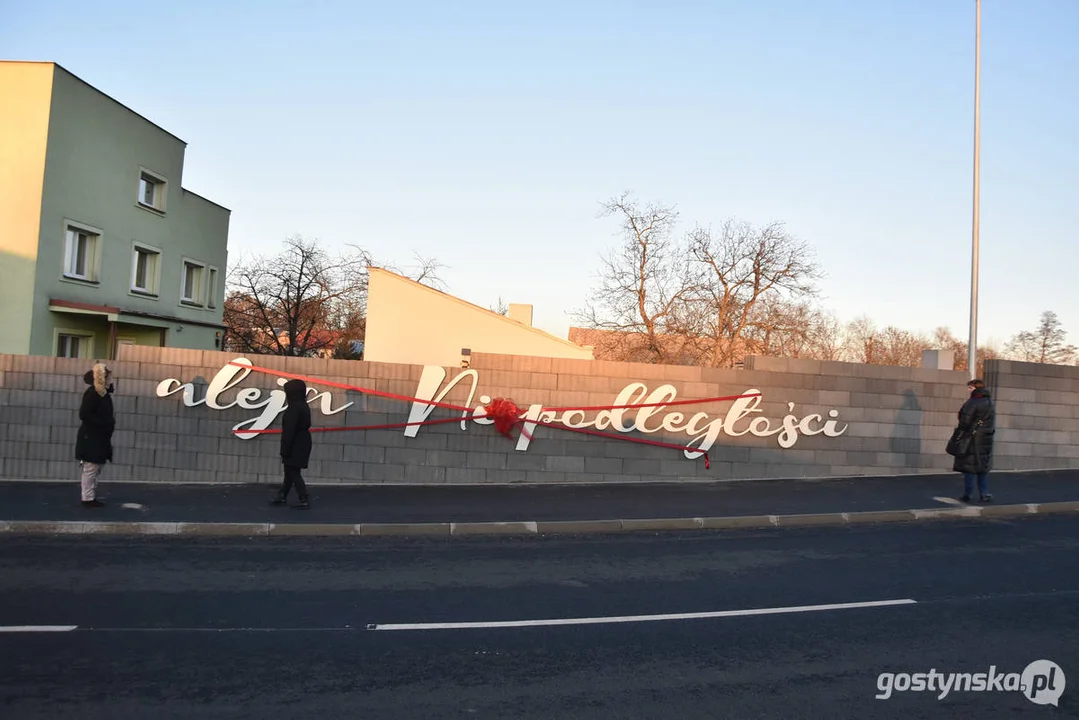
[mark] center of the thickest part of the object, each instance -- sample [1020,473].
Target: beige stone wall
[441,325]
[886,420]
[1037,415]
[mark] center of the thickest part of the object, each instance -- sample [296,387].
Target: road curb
[576,527]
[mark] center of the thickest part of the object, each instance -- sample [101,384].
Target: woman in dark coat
[977,418]
[93,445]
[295,442]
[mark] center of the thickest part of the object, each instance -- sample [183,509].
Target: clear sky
[487,133]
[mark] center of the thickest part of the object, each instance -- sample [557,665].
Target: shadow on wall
[907,431]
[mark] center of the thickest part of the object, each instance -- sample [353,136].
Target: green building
[100,244]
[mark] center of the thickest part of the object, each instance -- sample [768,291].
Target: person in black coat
[295,442]
[93,445]
[977,418]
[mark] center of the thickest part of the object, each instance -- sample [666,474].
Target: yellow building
[409,322]
[100,245]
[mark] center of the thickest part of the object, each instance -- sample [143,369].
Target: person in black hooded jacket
[977,417]
[295,442]
[93,444]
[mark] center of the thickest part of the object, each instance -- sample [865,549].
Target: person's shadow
[907,435]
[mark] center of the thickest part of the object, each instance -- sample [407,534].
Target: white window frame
[161,188]
[153,272]
[212,276]
[196,299]
[87,342]
[92,253]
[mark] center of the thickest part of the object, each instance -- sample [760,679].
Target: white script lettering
[228,378]
[702,429]
[742,417]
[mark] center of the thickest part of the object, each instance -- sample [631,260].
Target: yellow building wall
[26,89]
[408,322]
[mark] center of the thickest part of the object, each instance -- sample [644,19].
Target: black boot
[304,504]
[279,499]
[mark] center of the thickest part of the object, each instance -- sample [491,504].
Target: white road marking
[637,618]
[133,506]
[948,500]
[36,628]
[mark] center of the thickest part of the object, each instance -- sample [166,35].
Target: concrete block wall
[1037,415]
[893,420]
[897,419]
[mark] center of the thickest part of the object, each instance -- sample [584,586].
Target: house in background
[100,244]
[409,322]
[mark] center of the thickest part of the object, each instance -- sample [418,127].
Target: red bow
[506,415]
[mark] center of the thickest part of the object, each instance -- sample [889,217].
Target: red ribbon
[503,412]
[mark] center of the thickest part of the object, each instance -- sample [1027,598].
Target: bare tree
[794,329]
[866,343]
[862,341]
[798,330]
[703,299]
[297,302]
[501,307]
[303,301]
[1044,345]
[780,328]
[642,285]
[735,271]
[901,347]
[424,270]
[826,336]
[944,339]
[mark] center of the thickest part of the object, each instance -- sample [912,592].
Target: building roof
[206,199]
[454,298]
[94,88]
[117,313]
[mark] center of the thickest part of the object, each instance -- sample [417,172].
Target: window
[80,254]
[191,290]
[144,265]
[73,346]
[152,191]
[211,289]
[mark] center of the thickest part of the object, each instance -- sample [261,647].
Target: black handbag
[960,443]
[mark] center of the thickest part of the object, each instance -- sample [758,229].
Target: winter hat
[98,377]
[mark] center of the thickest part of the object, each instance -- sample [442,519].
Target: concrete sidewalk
[143,508]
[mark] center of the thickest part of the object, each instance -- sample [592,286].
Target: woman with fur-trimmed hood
[93,447]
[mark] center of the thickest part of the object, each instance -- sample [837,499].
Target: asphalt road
[265,627]
[161,502]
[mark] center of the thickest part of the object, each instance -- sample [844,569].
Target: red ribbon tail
[524,431]
[706,463]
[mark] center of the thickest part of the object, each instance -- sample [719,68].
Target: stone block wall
[178,412]
[1037,415]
